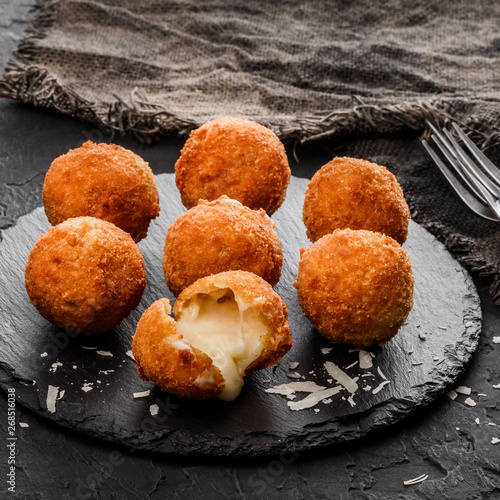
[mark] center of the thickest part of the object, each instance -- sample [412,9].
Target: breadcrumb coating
[236,157]
[218,236]
[104,181]
[355,286]
[86,275]
[355,194]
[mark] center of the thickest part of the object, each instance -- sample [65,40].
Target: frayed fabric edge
[147,120]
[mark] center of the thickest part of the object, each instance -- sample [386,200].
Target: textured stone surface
[443,440]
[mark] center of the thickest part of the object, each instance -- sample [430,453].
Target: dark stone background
[443,441]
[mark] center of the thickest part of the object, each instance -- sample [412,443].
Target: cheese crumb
[51,398]
[365,359]
[470,402]
[495,440]
[105,354]
[496,340]
[463,390]
[326,350]
[154,409]
[54,367]
[23,424]
[452,395]
[142,394]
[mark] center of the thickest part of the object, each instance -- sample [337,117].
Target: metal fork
[480,176]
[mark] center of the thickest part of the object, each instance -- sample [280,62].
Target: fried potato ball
[85,274]
[236,157]
[355,286]
[217,236]
[104,181]
[355,194]
[226,326]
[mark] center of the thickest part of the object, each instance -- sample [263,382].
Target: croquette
[226,326]
[217,236]
[85,275]
[236,157]
[355,194]
[355,286]
[104,181]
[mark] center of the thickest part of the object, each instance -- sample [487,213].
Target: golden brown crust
[355,286]
[252,291]
[356,194]
[85,274]
[104,181]
[172,363]
[219,236]
[236,157]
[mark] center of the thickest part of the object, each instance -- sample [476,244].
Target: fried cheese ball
[85,274]
[236,157]
[355,286]
[104,181]
[217,236]
[226,326]
[355,194]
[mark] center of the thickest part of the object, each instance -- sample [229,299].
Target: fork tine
[472,171]
[447,149]
[466,197]
[480,157]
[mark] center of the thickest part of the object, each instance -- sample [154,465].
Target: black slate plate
[421,362]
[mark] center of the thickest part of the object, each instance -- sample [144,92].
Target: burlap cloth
[310,70]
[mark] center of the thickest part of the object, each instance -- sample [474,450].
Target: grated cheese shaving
[286,389]
[470,402]
[51,398]
[380,386]
[341,377]
[365,359]
[313,399]
[416,480]
[452,395]
[496,340]
[142,394]
[105,354]
[154,409]
[463,390]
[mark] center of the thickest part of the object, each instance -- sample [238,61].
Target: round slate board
[422,361]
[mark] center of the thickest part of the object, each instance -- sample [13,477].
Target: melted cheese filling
[223,329]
